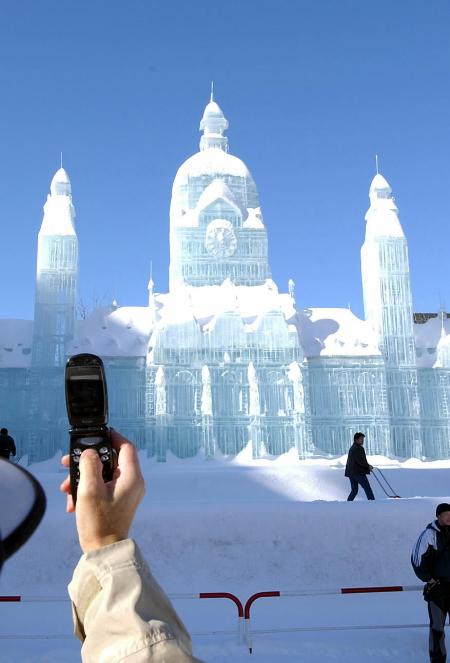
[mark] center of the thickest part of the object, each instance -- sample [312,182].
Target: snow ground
[243,526]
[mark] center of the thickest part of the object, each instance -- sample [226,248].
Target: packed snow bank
[241,525]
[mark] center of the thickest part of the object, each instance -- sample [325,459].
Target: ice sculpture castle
[224,360]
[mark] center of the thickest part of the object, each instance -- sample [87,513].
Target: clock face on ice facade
[220,240]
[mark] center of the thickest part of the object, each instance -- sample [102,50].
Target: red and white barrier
[325,592]
[244,610]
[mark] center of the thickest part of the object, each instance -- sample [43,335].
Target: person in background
[7,446]
[430,560]
[357,468]
[120,612]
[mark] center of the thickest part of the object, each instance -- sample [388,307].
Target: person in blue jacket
[430,560]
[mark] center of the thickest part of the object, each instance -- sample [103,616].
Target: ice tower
[223,367]
[216,226]
[388,309]
[54,318]
[56,276]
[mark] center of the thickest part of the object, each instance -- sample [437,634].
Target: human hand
[104,511]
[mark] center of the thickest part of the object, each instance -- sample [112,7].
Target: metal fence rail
[244,630]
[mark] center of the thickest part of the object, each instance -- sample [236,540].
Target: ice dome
[60,185]
[208,162]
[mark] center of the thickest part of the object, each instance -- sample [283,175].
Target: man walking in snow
[358,468]
[7,446]
[430,560]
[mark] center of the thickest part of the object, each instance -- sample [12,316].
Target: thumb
[91,479]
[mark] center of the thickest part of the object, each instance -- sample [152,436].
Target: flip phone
[87,411]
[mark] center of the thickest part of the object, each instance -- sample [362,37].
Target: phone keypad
[105,454]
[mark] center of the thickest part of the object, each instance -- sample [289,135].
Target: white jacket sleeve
[121,613]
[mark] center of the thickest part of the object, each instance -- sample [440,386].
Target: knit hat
[441,508]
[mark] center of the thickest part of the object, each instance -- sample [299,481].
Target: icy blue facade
[224,360]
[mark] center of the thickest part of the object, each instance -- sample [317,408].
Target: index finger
[127,458]
[118,440]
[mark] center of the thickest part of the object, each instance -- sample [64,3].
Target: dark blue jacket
[356,461]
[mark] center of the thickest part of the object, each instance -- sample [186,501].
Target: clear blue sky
[312,90]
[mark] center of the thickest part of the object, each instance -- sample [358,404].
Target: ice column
[295,376]
[254,410]
[388,308]
[206,413]
[162,417]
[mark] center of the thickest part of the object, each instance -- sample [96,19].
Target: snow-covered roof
[123,332]
[323,331]
[335,332]
[16,337]
[427,337]
[126,331]
[250,301]
[214,191]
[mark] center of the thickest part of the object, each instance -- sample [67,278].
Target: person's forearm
[120,610]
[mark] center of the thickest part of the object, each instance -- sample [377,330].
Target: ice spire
[150,286]
[386,280]
[443,315]
[291,288]
[213,124]
[59,212]
[60,185]
[382,215]
[443,346]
